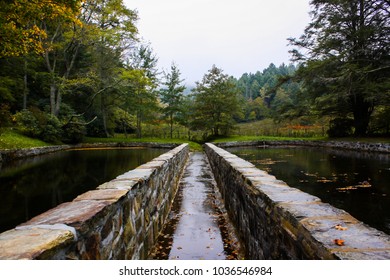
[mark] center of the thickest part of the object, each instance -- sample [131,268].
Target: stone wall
[346,145]
[275,221]
[121,219]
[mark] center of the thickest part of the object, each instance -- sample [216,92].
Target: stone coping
[313,226]
[360,146]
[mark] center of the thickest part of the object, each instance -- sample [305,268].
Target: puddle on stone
[198,227]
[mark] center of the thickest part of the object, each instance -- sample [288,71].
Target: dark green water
[357,182]
[32,186]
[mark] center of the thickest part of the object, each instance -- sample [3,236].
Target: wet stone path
[198,228]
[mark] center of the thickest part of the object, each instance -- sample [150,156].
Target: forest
[72,68]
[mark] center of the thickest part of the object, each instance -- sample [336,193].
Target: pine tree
[345,53]
[172,95]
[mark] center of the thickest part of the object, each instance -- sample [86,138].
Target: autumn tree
[216,103]
[172,95]
[345,56]
[21,30]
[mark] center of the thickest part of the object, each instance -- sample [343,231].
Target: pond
[31,186]
[357,182]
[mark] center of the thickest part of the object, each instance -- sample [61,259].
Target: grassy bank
[11,139]
[272,138]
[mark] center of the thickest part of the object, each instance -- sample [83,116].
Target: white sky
[239,36]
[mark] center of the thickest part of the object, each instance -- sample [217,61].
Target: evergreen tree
[172,95]
[345,52]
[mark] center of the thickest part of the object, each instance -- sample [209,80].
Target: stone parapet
[275,221]
[121,219]
[346,145]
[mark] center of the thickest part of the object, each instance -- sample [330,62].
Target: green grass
[10,139]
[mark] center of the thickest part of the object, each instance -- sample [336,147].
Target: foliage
[345,59]
[20,28]
[138,86]
[27,124]
[299,127]
[272,93]
[37,124]
[172,96]
[216,103]
[5,115]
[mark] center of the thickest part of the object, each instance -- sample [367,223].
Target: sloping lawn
[10,139]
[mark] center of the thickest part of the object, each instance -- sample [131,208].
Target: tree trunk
[53,89]
[25,88]
[104,114]
[362,111]
[139,123]
[58,103]
[171,124]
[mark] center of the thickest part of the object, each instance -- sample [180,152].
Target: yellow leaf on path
[339,227]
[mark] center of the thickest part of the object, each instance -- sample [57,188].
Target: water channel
[31,186]
[357,182]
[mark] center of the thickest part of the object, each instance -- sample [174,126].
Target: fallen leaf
[339,242]
[340,227]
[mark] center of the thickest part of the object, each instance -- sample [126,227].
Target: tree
[139,84]
[115,35]
[172,95]
[216,103]
[346,58]
[20,28]
[139,100]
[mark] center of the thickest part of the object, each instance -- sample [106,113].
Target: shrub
[27,124]
[73,133]
[51,129]
[37,124]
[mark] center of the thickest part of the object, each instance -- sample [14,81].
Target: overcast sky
[239,36]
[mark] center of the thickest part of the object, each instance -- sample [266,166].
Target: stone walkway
[198,228]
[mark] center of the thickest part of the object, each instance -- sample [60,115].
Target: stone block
[35,242]
[103,194]
[119,184]
[79,214]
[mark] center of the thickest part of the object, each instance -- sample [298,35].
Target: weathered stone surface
[137,174]
[102,194]
[119,184]
[276,221]
[154,164]
[71,213]
[360,146]
[31,243]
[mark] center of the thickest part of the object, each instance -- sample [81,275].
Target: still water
[32,186]
[357,182]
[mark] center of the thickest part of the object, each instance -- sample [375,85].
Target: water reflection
[32,186]
[357,182]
